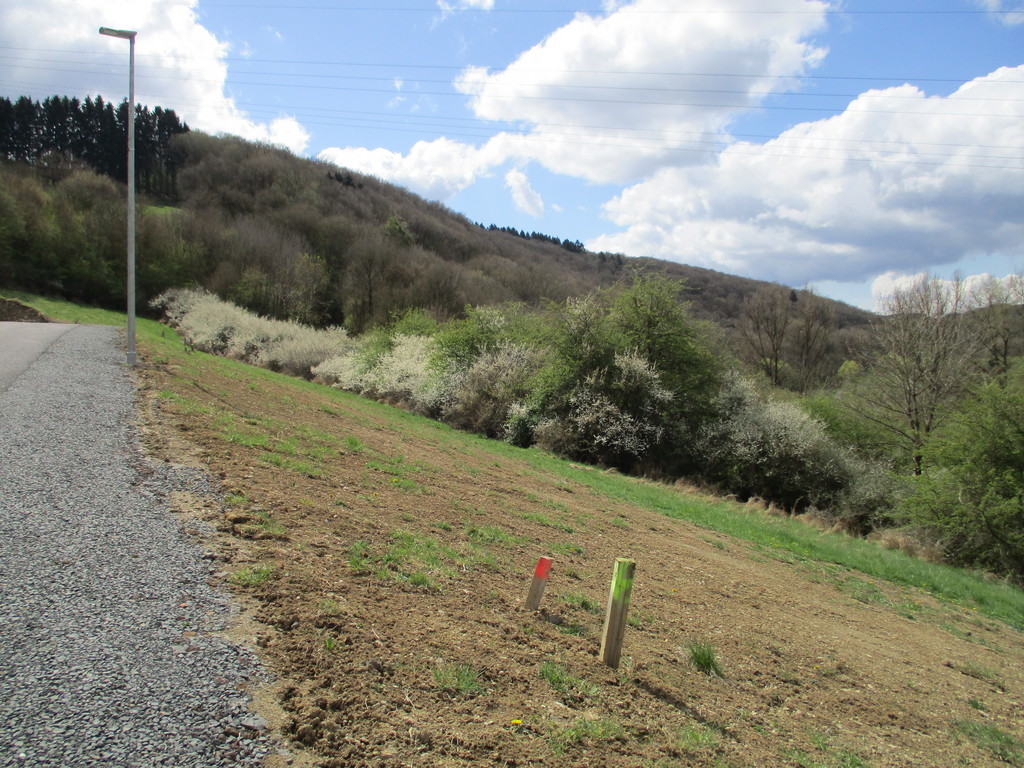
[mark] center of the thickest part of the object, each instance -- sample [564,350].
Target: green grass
[458,679]
[581,730]
[568,548]
[567,684]
[978,672]
[399,470]
[414,559]
[695,736]
[359,559]
[490,535]
[267,524]
[251,575]
[541,519]
[827,756]
[798,542]
[994,740]
[704,657]
[580,600]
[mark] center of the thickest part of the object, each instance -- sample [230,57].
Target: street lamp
[128,35]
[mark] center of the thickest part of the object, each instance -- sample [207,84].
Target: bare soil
[13,311]
[402,553]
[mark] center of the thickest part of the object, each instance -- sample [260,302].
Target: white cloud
[610,70]
[179,63]
[464,5]
[897,181]
[525,197]
[435,169]
[1009,13]
[610,98]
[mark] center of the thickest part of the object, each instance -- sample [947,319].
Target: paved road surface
[108,651]
[21,344]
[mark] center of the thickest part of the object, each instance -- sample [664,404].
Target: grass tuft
[566,683]
[252,575]
[459,679]
[704,657]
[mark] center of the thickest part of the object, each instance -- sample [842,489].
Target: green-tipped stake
[618,610]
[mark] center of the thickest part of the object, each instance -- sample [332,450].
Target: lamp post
[128,35]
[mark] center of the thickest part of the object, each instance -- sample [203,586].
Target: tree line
[62,131]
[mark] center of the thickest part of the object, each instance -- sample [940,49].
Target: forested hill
[62,132]
[281,235]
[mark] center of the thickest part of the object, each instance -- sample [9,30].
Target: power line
[582,100]
[554,86]
[436,10]
[455,68]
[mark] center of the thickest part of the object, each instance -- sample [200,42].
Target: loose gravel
[108,651]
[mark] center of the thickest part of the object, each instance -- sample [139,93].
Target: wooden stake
[618,610]
[540,580]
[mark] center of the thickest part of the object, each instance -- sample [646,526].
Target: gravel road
[108,651]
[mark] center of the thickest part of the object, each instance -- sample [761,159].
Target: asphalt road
[21,344]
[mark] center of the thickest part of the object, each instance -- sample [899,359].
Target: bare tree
[812,337]
[997,314]
[766,318]
[925,361]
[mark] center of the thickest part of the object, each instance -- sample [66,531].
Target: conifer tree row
[66,131]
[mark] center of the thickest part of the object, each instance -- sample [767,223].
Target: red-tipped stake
[540,580]
[618,610]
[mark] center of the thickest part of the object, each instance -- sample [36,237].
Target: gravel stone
[108,647]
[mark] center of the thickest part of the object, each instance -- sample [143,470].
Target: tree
[653,320]
[812,338]
[766,318]
[997,315]
[925,362]
[975,500]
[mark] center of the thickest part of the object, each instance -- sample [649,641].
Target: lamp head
[124,34]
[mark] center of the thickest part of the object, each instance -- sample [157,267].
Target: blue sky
[839,144]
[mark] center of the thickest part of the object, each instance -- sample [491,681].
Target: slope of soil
[13,311]
[385,561]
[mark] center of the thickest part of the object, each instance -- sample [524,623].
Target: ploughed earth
[384,562]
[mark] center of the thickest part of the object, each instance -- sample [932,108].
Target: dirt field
[385,563]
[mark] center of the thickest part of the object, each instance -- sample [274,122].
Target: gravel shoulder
[111,650]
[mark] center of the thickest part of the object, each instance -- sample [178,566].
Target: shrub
[614,417]
[974,498]
[773,450]
[404,374]
[482,396]
[222,328]
[301,349]
[521,424]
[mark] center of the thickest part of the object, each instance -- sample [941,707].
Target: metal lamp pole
[129,35]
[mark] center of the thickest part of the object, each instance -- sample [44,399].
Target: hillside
[384,560]
[290,237]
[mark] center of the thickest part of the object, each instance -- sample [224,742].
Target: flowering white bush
[403,374]
[344,371]
[220,327]
[773,450]
[614,417]
[300,348]
[481,396]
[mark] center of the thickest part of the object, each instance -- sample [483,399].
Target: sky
[843,145]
